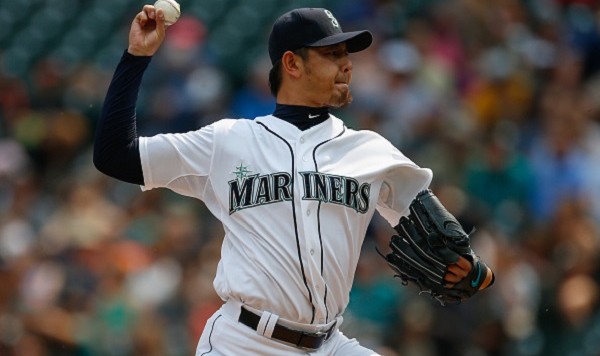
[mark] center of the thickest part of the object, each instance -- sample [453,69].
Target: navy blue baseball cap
[312,27]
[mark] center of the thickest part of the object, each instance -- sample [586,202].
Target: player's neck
[303,117]
[294,94]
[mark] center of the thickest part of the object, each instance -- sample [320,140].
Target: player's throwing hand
[147,31]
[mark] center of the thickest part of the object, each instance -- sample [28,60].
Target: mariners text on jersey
[254,190]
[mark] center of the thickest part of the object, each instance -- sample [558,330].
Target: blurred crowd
[500,98]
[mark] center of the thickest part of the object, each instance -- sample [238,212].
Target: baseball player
[295,189]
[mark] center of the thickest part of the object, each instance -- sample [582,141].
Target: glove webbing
[420,251]
[436,276]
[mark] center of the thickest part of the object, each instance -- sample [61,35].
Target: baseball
[170,9]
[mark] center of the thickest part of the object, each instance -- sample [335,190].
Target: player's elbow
[104,158]
[101,162]
[119,162]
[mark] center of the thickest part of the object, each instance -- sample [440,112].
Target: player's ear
[292,64]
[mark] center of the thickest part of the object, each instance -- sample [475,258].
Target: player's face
[328,73]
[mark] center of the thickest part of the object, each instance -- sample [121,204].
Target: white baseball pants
[223,335]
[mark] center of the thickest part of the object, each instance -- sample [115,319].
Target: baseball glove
[429,241]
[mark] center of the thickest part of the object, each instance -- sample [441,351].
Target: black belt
[295,337]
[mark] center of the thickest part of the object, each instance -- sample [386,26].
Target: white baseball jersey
[295,205]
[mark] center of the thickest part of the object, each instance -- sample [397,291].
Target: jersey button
[308,213]
[301,139]
[312,252]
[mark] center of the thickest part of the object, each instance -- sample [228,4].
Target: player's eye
[337,53]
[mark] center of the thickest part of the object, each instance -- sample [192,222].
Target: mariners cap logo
[334,21]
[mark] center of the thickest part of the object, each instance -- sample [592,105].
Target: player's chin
[342,98]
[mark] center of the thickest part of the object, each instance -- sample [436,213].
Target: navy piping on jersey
[319,219]
[295,220]
[321,245]
[210,335]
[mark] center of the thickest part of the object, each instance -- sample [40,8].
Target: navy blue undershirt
[303,117]
[116,146]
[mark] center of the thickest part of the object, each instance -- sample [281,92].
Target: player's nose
[346,64]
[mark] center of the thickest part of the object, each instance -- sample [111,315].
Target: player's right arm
[116,146]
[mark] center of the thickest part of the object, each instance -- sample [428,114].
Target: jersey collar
[317,133]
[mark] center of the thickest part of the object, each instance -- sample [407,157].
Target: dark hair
[275,72]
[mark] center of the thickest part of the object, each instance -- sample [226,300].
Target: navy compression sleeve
[116,148]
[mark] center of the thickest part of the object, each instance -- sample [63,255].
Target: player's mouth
[343,80]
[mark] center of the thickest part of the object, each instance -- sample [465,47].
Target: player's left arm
[401,185]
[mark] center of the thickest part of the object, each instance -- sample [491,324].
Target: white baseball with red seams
[171,10]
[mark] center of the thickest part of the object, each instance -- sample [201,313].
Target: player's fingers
[150,11]
[464,264]
[141,18]
[450,281]
[458,271]
[160,23]
[452,277]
